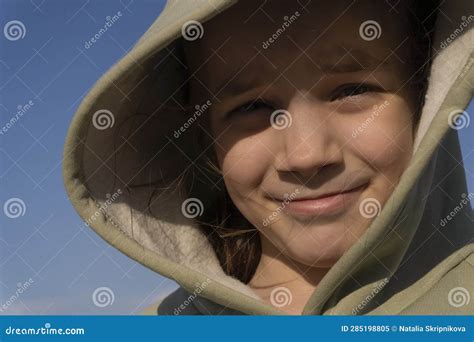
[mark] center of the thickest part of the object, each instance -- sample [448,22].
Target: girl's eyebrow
[353,60]
[350,61]
[248,77]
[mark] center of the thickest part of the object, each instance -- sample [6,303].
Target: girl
[287,157]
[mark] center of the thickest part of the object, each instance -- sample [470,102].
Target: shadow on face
[313,115]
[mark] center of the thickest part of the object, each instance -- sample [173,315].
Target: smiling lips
[325,205]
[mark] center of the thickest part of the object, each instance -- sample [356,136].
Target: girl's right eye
[252,106]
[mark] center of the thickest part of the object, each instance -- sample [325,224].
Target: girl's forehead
[243,40]
[257,20]
[288,23]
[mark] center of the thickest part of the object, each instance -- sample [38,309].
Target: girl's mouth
[324,206]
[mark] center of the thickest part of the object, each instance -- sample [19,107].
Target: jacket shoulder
[453,294]
[178,302]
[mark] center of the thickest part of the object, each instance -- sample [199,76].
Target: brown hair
[234,239]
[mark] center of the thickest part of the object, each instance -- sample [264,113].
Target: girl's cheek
[386,140]
[244,163]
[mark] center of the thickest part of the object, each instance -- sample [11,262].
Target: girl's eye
[352,90]
[252,106]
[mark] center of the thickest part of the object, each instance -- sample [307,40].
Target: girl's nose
[309,142]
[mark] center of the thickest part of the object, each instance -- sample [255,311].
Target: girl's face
[313,128]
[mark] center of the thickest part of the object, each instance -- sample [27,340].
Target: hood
[120,142]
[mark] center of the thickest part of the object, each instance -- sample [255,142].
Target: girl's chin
[315,260]
[320,245]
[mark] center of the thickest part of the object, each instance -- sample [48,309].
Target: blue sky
[50,66]
[50,244]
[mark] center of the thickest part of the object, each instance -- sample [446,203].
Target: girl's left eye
[252,106]
[352,90]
